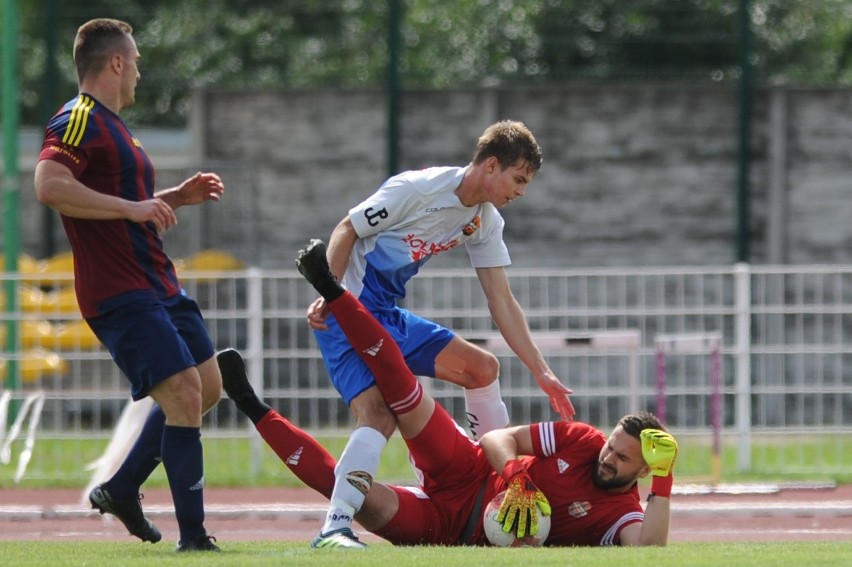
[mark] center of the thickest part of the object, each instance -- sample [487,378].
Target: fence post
[742,356]
[254,356]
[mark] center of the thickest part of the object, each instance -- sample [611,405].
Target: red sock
[299,451]
[435,446]
[400,388]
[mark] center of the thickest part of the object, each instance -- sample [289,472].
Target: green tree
[446,43]
[805,43]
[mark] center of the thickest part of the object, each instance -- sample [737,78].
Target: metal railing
[783,372]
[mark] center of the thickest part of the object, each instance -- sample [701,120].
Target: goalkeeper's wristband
[662,486]
[512,469]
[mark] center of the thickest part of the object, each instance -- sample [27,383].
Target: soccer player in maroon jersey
[94,171]
[585,480]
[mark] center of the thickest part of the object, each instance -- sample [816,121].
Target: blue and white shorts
[419,339]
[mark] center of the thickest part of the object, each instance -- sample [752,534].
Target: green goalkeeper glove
[659,450]
[520,500]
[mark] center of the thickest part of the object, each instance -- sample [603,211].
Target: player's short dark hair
[511,142]
[96,41]
[634,423]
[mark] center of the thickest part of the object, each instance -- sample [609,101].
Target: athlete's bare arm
[56,187]
[512,324]
[339,250]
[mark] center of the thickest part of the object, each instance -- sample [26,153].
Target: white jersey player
[376,249]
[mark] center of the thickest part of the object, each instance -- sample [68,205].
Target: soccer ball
[497,537]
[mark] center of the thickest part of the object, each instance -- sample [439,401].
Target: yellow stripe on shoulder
[77,123]
[72,121]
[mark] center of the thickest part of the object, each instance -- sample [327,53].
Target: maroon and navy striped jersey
[111,257]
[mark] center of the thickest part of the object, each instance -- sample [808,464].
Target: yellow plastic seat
[33,300]
[212,261]
[62,263]
[27,265]
[30,298]
[63,300]
[45,272]
[34,334]
[74,335]
[56,271]
[36,364]
[209,261]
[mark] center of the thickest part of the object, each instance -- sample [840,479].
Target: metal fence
[782,373]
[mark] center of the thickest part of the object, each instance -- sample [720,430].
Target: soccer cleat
[234,377]
[313,264]
[200,543]
[128,511]
[342,538]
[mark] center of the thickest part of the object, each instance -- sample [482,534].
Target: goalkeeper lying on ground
[572,471]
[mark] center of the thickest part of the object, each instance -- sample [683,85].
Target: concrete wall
[634,175]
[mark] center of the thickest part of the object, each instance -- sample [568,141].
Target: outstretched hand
[199,188]
[558,394]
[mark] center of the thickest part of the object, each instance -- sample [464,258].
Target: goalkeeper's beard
[610,483]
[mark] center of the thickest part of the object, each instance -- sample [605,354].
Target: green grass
[60,463]
[247,554]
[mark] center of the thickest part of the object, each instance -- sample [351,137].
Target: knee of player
[210,396]
[180,397]
[379,418]
[190,402]
[485,372]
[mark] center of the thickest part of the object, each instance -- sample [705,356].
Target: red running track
[790,514]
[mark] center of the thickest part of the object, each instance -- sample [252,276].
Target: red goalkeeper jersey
[455,468]
[582,514]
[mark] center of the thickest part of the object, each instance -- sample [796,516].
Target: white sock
[485,409]
[353,477]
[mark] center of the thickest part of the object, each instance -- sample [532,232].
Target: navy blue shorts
[419,339]
[151,339]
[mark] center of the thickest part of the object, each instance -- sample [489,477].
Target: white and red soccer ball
[497,537]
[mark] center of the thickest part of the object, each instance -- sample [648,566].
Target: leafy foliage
[343,43]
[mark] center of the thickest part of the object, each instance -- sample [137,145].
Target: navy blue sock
[142,459]
[184,462]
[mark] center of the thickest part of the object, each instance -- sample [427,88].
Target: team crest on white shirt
[472,226]
[421,248]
